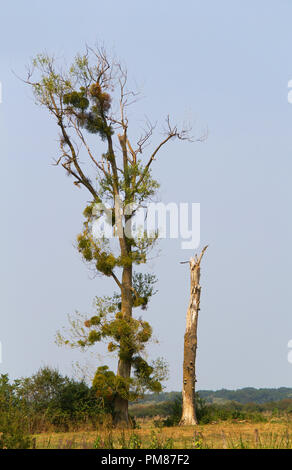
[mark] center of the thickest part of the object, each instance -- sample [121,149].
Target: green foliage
[104,443]
[133,441]
[175,411]
[158,442]
[247,395]
[206,412]
[143,372]
[108,442]
[98,253]
[76,99]
[126,338]
[108,385]
[83,100]
[89,106]
[159,397]
[60,401]
[144,286]
[14,429]
[198,441]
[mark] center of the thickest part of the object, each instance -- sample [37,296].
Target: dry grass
[214,436]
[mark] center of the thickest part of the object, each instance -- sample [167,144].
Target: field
[49,411]
[240,435]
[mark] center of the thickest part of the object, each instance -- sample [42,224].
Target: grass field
[214,436]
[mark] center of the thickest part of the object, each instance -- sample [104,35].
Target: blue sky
[225,65]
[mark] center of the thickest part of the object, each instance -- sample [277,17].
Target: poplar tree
[89,102]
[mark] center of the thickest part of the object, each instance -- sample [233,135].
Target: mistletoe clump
[108,385]
[89,106]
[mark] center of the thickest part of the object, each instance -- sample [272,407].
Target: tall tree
[191,342]
[88,100]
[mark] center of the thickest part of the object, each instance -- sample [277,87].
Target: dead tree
[190,344]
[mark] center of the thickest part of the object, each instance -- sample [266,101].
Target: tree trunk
[190,345]
[121,415]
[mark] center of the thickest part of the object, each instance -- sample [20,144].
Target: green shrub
[208,413]
[13,421]
[175,411]
[52,400]
[14,431]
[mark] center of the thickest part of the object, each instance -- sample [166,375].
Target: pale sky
[225,65]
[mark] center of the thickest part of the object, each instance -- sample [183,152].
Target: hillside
[243,395]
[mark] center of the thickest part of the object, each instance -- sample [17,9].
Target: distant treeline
[168,412]
[243,395]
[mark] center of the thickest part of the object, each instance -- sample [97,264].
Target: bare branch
[116,280]
[196,260]
[148,132]
[199,259]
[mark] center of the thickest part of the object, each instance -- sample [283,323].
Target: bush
[14,431]
[13,422]
[207,413]
[47,401]
[52,400]
[175,411]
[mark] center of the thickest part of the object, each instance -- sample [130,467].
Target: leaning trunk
[190,345]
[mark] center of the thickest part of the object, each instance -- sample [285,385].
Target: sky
[223,65]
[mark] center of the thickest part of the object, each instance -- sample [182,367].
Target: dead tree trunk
[190,344]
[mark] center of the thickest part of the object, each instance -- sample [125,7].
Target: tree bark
[190,344]
[121,415]
[121,404]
